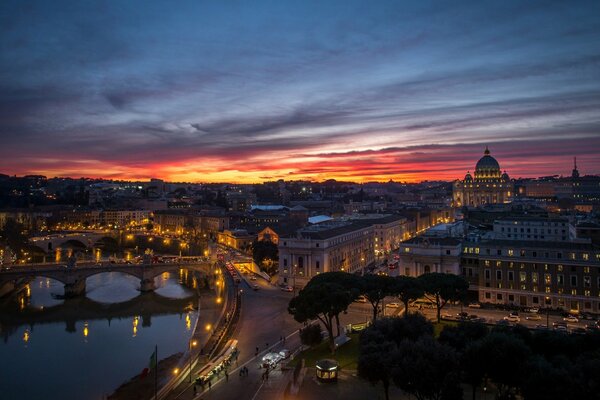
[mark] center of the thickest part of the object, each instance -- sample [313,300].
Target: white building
[421,255]
[326,247]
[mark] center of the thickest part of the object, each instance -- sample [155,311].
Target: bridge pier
[75,288]
[6,288]
[147,285]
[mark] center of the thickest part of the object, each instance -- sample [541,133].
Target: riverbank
[138,388]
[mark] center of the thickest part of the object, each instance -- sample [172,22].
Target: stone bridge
[74,277]
[88,240]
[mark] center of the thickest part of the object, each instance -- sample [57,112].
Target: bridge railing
[232,306]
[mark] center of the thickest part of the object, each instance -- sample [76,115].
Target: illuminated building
[488,186]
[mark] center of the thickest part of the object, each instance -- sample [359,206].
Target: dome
[505,176]
[487,162]
[468,177]
[487,167]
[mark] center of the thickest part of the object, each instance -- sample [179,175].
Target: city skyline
[218,93]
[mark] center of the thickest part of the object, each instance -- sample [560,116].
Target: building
[122,218]
[238,239]
[534,228]
[421,255]
[488,186]
[563,275]
[334,246]
[389,231]
[171,222]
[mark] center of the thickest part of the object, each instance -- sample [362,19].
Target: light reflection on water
[47,361]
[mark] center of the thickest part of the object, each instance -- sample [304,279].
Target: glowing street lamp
[192,343]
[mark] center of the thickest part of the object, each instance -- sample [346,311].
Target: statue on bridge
[72,261]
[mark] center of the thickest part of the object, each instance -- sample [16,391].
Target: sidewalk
[251,387]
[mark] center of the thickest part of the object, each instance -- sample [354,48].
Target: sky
[251,91]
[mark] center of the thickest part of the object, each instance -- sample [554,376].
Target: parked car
[252,278]
[541,327]
[393,305]
[287,288]
[474,305]
[534,310]
[571,318]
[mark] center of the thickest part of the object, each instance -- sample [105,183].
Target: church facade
[488,186]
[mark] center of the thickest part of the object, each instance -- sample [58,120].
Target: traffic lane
[264,320]
[493,315]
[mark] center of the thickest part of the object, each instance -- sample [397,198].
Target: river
[85,348]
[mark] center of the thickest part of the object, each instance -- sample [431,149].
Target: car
[533,317]
[285,353]
[463,315]
[534,310]
[361,299]
[579,331]
[541,327]
[559,323]
[474,305]
[502,322]
[561,328]
[512,318]
[591,327]
[571,318]
[252,278]
[287,288]
[255,286]
[393,305]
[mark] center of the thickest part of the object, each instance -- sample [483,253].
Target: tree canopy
[441,288]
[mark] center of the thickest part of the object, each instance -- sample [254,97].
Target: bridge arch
[108,243]
[74,244]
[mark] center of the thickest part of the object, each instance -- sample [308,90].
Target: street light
[192,343]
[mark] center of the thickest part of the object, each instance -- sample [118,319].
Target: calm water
[65,357]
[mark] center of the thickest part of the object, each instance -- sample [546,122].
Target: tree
[375,288]
[473,364]
[323,301]
[462,335]
[311,335]
[546,382]
[427,370]
[441,288]
[407,289]
[376,361]
[350,283]
[505,358]
[264,252]
[13,234]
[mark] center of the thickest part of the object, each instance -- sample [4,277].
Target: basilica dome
[487,166]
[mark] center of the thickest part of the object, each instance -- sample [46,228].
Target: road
[264,320]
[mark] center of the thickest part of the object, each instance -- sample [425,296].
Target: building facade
[534,273]
[327,247]
[488,186]
[422,255]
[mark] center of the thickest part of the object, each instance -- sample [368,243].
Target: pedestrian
[195,390]
[209,384]
[283,339]
[226,376]
[256,349]
[267,345]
